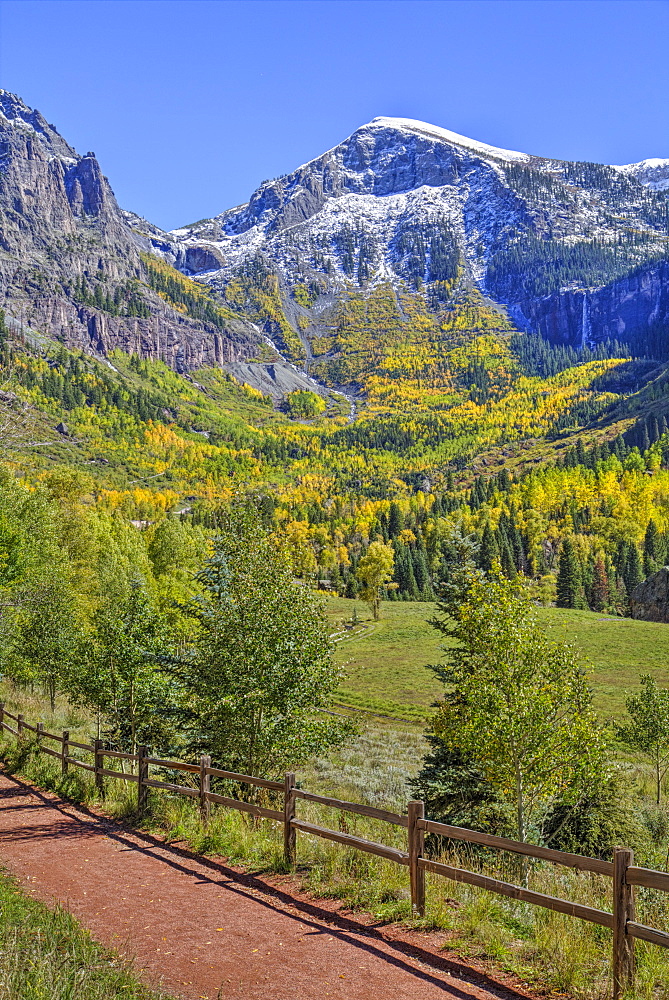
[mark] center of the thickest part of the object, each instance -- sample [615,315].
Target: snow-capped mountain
[408,202]
[653,173]
[576,251]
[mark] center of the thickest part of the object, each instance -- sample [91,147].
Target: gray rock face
[649,601]
[394,199]
[59,223]
[276,379]
[635,304]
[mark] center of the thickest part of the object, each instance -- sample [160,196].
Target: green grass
[619,649]
[46,955]
[386,660]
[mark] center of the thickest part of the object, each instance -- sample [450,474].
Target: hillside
[411,335]
[386,661]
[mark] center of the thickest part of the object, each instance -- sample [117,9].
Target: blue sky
[189,105]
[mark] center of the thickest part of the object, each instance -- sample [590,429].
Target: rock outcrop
[70,264]
[649,601]
[633,307]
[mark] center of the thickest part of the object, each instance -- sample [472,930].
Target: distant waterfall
[586,327]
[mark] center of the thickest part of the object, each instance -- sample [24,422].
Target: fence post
[205,788]
[40,730]
[143,774]
[19,727]
[2,717]
[98,746]
[623,910]
[65,751]
[416,838]
[289,831]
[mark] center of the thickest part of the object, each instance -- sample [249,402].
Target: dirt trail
[200,927]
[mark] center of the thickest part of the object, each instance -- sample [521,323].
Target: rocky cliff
[634,308]
[70,265]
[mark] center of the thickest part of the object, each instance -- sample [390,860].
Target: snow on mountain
[653,173]
[396,188]
[412,125]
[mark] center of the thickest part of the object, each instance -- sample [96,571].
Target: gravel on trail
[203,929]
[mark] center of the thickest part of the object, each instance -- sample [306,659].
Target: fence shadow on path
[314,918]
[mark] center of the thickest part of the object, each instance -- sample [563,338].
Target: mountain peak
[445,135]
[653,172]
[29,123]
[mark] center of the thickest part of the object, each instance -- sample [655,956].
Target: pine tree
[404,574]
[506,559]
[569,577]
[420,571]
[489,551]
[395,520]
[632,574]
[515,540]
[651,548]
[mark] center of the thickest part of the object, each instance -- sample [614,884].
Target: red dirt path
[197,926]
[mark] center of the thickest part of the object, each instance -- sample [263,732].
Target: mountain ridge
[573,251]
[411,203]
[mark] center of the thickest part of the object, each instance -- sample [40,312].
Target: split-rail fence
[622,870]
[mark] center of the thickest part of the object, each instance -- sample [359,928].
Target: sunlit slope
[386,660]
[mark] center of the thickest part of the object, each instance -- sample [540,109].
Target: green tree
[648,728]
[260,669]
[651,548]
[375,570]
[395,520]
[518,705]
[304,403]
[121,679]
[456,791]
[489,551]
[632,574]
[48,639]
[460,554]
[569,578]
[176,550]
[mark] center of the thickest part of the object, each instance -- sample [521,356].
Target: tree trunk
[520,817]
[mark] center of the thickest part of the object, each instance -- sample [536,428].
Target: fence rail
[622,870]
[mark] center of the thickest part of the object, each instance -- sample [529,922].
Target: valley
[413,356]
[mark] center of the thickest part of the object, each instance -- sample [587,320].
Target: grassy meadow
[386,660]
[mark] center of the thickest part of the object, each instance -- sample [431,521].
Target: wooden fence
[622,870]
